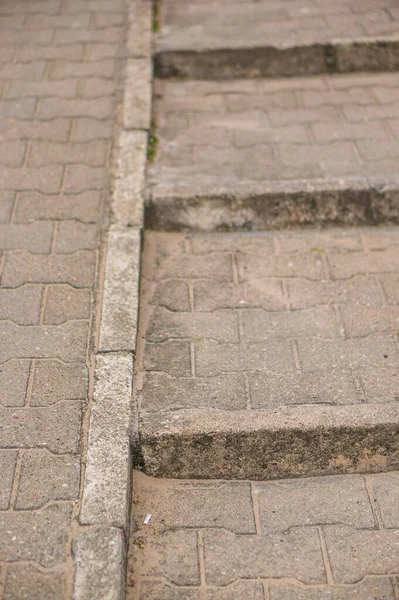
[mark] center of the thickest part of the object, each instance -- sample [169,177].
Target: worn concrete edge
[301,440]
[100,556]
[272,204]
[285,60]
[121,290]
[107,482]
[99,550]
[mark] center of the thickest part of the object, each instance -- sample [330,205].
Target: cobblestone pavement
[325,538]
[280,129]
[58,89]
[258,321]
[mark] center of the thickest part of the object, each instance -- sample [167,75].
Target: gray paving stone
[294,554]
[257,293]
[36,536]
[336,386]
[309,502]
[172,294]
[318,322]
[360,289]
[172,357]
[370,552]
[164,324]
[390,286]
[249,590]
[213,358]
[35,237]
[64,303]
[43,179]
[86,129]
[22,305]
[45,478]
[66,341]
[308,265]
[379,384]
[161,392]
[13,382]
[77,269]
[198,504]
[360,321]
[49,153]
[366,590]
[15,129]
[24,582]
[8,461]
[56,428]
[80,178]
[55,381]
[172,554]
[6,206]
[386,488]
[375,350]
[344,266]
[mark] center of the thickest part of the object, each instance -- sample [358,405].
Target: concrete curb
[99,554]
[273,204]
[100,550]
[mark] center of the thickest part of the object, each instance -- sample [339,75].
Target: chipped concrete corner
[100,551]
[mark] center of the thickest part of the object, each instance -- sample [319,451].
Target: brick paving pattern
[259,321]
[282,129]
[58,91]
[198,25]
[326,538]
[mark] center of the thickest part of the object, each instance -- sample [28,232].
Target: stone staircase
[271,353]
[268,335]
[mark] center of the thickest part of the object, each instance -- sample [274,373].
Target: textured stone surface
[24,582]
[45,477]
[269,130]
[107,484]
[121,291]
[204,344]
[249,39]
[36,536]
[264,154]
[59,88]
[184,504]
[99,556]
[289,543]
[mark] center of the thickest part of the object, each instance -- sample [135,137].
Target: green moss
[156,21]
[152,144]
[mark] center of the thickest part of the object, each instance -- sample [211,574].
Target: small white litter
[147,519]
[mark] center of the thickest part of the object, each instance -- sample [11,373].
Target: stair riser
[263,454]
[269,61]
[259,211]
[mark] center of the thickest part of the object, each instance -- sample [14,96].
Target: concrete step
[215,39]
[266,153]
[266,355]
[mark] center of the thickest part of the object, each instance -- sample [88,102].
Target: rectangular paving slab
[261,154]
[322,538]
[257,38]
[263,355]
